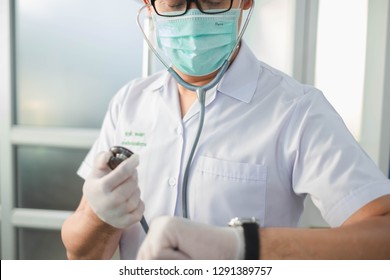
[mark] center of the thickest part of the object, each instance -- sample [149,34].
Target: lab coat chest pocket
[224,190]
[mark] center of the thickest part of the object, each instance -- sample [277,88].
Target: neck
[188,97]
[195,80]
[200,80]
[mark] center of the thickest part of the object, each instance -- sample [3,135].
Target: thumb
[100,166]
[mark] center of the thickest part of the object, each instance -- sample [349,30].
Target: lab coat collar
[160,82]
[240,81]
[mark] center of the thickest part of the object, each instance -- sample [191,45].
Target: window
[340,61]
[69,58]
[270,33]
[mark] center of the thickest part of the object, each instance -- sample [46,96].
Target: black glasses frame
[187,8]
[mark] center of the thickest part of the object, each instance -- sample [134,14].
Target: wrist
[94,221]
[239,234]
[250,235]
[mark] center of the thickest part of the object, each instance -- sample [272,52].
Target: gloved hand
[114,195]
[177,238]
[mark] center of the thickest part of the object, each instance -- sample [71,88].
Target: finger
[129,219]
[138,212]
[126,190]
[100,167]
[126,195]
[123,172]
[166,254]
[134,201]
[171,254]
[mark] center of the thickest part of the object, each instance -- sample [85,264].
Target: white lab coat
[268,141]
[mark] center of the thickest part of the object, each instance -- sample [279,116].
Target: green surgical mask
[197,44]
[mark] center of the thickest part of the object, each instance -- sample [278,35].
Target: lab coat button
[172,181]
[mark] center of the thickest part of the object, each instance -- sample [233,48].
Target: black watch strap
[251,236]
[250,228]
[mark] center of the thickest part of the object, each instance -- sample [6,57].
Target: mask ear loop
[201,93]
[146,36]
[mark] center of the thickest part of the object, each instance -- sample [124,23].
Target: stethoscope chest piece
[119,154]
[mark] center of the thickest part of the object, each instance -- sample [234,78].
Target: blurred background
[61,61]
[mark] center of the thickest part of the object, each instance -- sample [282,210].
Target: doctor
[267,143]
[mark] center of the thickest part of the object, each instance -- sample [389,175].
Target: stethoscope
[120,153]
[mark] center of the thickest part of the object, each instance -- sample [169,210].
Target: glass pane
[340,62]
[71,57]
[270,33]
[47,179]
[37,244]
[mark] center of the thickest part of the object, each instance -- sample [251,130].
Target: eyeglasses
[174,8]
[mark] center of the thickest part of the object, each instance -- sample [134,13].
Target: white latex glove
[114,195]
[177,238]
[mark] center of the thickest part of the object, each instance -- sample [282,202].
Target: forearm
[367,239]
[85,236]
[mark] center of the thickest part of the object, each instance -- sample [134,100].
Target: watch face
[240,221]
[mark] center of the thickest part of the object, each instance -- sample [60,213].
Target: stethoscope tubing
[201,94]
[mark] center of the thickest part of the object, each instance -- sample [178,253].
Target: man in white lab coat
[267,143]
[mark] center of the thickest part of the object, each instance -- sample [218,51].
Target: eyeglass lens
[180,7]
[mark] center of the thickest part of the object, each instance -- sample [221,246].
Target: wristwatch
[250,227]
